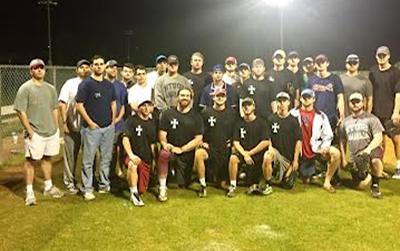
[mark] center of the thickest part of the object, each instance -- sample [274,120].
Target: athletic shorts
[38,146]
[390,129]
[280,165]
[254,172]
[217,164]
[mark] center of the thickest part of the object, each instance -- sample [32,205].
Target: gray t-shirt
[360,131]
[38,102]
[355,84]
[166,90]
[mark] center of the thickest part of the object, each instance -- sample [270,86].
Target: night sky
[218,28]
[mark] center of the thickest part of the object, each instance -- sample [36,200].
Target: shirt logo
[275,127]
[271,79]
[174,123]
[251,89]
[242,133]
[212,121]
[139,130]
[97,95]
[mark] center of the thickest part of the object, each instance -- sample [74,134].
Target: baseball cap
[82,62]
[308,60]
[352,58]
[231,59]
[280,52]
[282,95]
[321,58]
[36,62]
[145,101]
[247,101]
[161,58]
[258,61]
[244,66]
[218,67]
[111,63]
[383,50]
[356,95]
[218,90]
[293,54]
[172,59]
[308,92]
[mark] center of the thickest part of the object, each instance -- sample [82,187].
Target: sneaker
[104,190]
[375,191]
[252,189]
[396,174]
[30,199]
[163,196]
[89,196]
[137,200]
[53,192]
[202,192]
[72,190]
[231,191]
[266,189]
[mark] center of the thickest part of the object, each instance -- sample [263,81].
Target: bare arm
[340,107]
[113,111]
[376,141]
[192,144]
[261,146]
[239,148]
[128,149]
[63,110]
[81,109]
[162,136]
[121,114]
[396,110]
[25,122]
[369,104]
[342,146]
[296,155]
[55,117]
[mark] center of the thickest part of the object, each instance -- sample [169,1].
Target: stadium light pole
[280,4]
[49,4]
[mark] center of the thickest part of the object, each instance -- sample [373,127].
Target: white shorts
[39,146]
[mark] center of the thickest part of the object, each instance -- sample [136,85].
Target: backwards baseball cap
[258,61]
[352,58]
[383,50]
[218,67]
[282,95]
[143,101]
[111,63]
[243,66]
[161,58]
[218,91]
[36,62]
[293,54]
[231,59]
[321,58]
[82,62]
[308,60]
[280,52]
[172,59]
[356,95]
[308,92]
[247,101]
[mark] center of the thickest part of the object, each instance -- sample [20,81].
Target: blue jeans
[92,140]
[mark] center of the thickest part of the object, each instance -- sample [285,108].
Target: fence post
[54,77]
[1,115]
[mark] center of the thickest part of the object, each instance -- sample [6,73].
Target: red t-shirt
[307,118]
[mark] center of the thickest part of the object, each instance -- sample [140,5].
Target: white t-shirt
[152,78]
[139,93]
[69,90]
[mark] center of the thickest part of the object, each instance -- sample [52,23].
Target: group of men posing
[237,122]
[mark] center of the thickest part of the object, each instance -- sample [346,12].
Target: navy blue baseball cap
[218,67]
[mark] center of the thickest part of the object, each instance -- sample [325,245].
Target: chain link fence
[11,78]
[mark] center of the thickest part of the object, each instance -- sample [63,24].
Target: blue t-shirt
[121,98]
[206,99]
[326,91]
[96,98]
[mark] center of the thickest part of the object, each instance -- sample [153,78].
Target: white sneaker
[72,189]
[396,174]
[163,196]
[137,200]
[30,199]
[89,196]
[53,192]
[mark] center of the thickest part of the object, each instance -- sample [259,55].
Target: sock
[202,181]
[233,183]
[29,188]
[133,189]
[398,164]
[375,180]
[47,185]
[163,182]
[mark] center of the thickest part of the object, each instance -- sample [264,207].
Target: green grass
[306,218]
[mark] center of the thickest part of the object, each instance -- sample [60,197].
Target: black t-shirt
[198,82]
[218,126]
[285,132]
[260,91]
[284,81]
[250,134]
[385,85]
[181,127]
[141,134]
[96,98]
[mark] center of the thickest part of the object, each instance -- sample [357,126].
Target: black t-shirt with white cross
[260,91]
[284,132]
[250,134]
[181,127]
[141,134]
[218,126]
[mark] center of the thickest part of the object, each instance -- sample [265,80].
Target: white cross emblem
[174,123]
[275,127]
[212,121]
[251,89]
[139,130]
[242,133]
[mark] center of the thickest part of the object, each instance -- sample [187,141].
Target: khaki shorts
[280,165]
[38,146]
